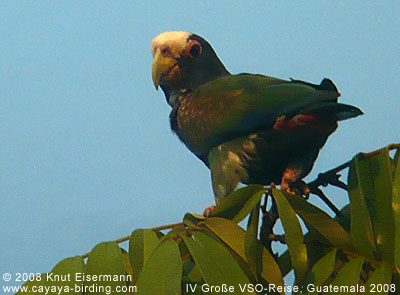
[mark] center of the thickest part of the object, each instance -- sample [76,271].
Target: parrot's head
[182,60]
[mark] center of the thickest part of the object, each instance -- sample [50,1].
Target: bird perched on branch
[246,128]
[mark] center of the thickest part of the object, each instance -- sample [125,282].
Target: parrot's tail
[334,111]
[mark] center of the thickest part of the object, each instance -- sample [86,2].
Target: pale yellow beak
[164,69]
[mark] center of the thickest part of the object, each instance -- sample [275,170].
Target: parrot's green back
[238,105]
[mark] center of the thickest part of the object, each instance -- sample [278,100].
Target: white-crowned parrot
[246,128]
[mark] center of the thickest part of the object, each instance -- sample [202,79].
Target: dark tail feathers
[334,111]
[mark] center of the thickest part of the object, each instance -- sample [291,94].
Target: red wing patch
[283,124]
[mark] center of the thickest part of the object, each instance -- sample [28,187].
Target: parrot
[246,128]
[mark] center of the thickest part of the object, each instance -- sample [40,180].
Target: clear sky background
[86,153]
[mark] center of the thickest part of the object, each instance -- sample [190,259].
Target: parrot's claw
[209,210]
[299,187]
[289,177]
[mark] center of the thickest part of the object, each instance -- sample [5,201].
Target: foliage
[358,248]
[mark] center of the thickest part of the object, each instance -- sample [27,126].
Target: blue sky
[86,152]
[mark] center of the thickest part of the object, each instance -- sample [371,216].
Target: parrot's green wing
[239,105]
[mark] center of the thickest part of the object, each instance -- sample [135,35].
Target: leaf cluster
[359,247]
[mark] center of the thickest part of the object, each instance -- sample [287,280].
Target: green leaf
[60,280]
[317,245]
[162,273]
[234,237]
[396,157]
[345,219]
[381,169]
[361,232]
[141,244]
[35,286]
[193,288]
[105,261]
[229,232]
[370,182]
[284,262]
[324,268]
[68,268]
[174,232]
[70,265]
[127,264]
[293,234]
[239,204]
[379,280]
[191,271]
[315,250]
[191,219]
[396,279]
[252,245]
[192,279]
[195,274]
[396,212]
[215,262]
[328,227]
[349,275]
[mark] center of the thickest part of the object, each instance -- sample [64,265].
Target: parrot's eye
[165,51]
[194,49]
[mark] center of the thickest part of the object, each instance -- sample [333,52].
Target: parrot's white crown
[176,40]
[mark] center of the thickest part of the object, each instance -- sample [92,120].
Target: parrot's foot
[291,184]
[288,178]
[210,209]
[299,187]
